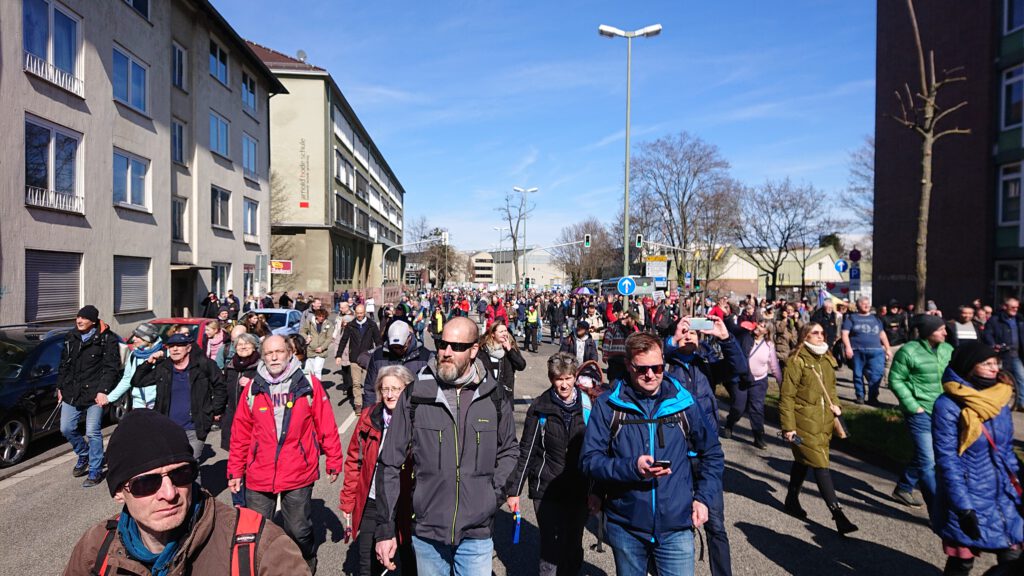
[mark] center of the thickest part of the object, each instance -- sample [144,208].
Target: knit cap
[143,441]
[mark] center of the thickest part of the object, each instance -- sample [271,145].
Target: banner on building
[280,266]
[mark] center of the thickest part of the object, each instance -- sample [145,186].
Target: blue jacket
[974,481]
[997,333]
[699,374]
[649,508]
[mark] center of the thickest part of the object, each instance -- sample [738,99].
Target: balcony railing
[40,67]
[54,200]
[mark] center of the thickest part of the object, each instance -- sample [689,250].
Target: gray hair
[863,299]
[560,364]
[394,371]
[250,338]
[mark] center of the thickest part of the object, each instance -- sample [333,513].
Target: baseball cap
[179,339]
[399,333]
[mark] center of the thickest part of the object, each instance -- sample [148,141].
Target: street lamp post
[499,230]
[612,32]
[524,192]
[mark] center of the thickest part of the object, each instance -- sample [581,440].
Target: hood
[672,397]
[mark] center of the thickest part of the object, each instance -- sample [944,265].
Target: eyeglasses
[391,390]
[816,333]
[642,370]
[149,484]
[456,346]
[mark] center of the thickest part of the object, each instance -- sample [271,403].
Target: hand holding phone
[698,324]
[661,464]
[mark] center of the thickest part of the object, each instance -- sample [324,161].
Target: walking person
[318,332]
[453,402]
[360,337]
[787,333]
[239,372]
[807,409]
[549,457]
[358,492]
[283,408]
[580,344]
[147,346]
[749,394]
[978,502]
[916,380]
[89,362]
[865,342]
[400,348]
[532,326]
[638,445]
[501,357]
[1004,331]
[613,347]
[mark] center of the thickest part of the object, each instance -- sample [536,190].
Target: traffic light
[526,283]
[586,240]
[639,240]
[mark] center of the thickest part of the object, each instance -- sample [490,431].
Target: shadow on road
[829,553]
[518,558]
[214,477]
[328,521]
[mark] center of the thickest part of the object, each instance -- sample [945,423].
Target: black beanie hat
[969,355]
[89,312]
[927,324]
[144,440]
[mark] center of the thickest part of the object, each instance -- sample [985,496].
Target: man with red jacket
[495,312]
[282,422]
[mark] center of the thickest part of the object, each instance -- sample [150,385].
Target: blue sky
[467,98]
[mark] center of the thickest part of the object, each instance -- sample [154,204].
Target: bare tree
[282,243]
[417,229]
[645,219]
[920,112]
[715,222]
[577,261]
[442,258]
[514,211]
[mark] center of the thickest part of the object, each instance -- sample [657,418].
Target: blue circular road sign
[842,266]
[626,285]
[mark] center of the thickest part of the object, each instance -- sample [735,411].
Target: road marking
[348,422]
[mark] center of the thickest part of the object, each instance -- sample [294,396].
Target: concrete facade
[337,204]
[107,101]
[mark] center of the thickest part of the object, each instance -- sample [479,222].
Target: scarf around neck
[145,353]
[976,408]
[87,335]
[241,364]
[497,352]
[158,563]
[816,349]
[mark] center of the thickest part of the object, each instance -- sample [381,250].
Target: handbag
[838,424]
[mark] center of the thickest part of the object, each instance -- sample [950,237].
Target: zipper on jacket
[458,470]
[478,448]
[440,445]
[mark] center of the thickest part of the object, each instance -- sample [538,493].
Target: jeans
[748,399]
[672,555]
[315,365]
[922,467]
[91,444]
[472,557]
[1014,366]
[868,363]
[296,513]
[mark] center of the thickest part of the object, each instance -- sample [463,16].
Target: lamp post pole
[524,192]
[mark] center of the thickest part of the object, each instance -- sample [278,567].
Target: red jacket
[361,465]
[270,463]
[496,313]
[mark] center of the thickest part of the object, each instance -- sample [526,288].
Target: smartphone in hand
[661,464]
[701,323]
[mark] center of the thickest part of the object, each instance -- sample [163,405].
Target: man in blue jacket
[698,369]
[1005,332]
[639,442]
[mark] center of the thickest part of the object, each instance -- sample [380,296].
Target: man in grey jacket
[463,441]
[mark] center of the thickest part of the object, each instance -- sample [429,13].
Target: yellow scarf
[977,406]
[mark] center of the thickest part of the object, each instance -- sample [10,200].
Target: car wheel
[117,410]
[14,438]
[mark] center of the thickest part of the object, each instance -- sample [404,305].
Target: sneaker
[726,432]
[859,400]
[760,443]
[81,468]
[906,498]
[93,480]
[874,402]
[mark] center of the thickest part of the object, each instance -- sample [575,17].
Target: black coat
[208,396]
[589,349]
[233,390]
[952,337]
[998,334]
[89,368]
[507,367]
[549,457]
[359,344]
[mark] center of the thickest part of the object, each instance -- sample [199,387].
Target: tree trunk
[927,144]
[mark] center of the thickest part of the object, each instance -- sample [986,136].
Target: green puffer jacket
[916,374]
[803,406]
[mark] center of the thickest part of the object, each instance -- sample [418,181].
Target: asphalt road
[45,511]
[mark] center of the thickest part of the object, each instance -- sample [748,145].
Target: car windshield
[14,349]
[167,329]
[275,320]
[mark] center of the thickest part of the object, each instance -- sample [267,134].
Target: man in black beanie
[168,520]
[916,380]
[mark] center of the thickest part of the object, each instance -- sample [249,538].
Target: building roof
[276,87]
[278,60]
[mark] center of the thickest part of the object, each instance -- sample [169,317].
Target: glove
[969,524]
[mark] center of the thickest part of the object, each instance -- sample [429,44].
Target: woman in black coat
[501,357]
[580,344]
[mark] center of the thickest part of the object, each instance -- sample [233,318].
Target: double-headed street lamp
[500,230]
[612,32]
[524,192]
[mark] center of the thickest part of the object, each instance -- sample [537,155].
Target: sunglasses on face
[149,484]
[456,346]
[642,370]
[816,333]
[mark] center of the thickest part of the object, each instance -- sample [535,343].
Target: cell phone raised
[701,323]
[661,464]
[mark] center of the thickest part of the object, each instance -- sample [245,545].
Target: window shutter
[52,285]
[131,284]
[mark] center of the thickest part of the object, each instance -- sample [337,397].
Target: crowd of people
[629,429]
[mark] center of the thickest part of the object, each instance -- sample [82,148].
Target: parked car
[196,328]
[281,321]
[29,361]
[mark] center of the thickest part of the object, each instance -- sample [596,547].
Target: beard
[449,369]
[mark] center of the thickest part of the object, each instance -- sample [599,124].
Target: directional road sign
[842,266]
[626,286]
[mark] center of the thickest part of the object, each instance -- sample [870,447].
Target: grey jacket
[460,473]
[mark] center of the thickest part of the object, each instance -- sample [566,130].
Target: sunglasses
[456,346]
[816,333]
[149,484]
[656,368]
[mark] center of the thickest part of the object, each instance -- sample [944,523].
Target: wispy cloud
[370,94]
[621,136]
[528,159]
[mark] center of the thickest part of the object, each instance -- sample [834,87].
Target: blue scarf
[144,353]
[87,335]
[158,564]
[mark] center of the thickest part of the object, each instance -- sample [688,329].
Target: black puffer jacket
[238,372]
[507,367]
[208,396]
[549,457]
[88,368]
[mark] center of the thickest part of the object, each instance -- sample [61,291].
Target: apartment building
[338,206]
[137,145]
[976,234]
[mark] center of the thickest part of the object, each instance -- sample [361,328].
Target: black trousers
[561,520]
[748,399]
[368,563]
[296,514]
[531,337]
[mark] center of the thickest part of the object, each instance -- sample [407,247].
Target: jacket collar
[300,385]
[671,399]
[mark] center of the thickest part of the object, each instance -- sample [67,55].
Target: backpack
[620,418]
[248,529]
[586,416]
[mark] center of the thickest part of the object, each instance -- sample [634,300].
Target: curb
[51,454]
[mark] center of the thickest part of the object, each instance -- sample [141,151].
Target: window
[51,163]
[130,179]
[141,6]
[343,263]
[248,279]
[1013,97]
[250,222]
[343,169]
[344,211]
[218,63]
[220,278]
[249,163]
[129,80]
[53,285]
[220,209]
[179,66]
[178,219]
[51,44]
[248,92]
[131,284]
[177,142]
[219,134]
[1014,15]
[362,221]
[1009,195]
[361,185]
